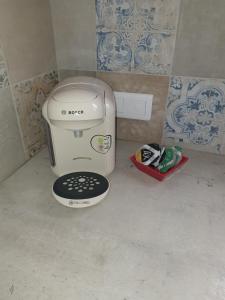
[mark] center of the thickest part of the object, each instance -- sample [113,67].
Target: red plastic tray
[154,172]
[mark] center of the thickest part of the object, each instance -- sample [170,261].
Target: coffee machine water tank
[80,117]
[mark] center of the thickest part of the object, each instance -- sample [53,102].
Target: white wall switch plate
[133,105]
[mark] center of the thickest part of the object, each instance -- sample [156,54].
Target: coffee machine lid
[80,189]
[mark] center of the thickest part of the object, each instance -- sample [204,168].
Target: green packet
[172,157]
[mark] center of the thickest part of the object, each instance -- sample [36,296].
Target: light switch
[134,105]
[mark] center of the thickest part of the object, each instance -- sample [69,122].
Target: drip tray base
[80,189]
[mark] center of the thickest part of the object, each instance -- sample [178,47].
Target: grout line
[54,36]
[142,74]
[196,77]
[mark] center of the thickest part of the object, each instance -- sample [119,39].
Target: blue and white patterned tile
[157,15]
[153,53]
[4,81]
[196,114]
[136,35]
[30,96]
[114,52]
[114,15]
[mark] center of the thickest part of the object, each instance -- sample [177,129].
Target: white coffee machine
[80,115]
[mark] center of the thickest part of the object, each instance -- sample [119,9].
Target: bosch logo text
[72,112]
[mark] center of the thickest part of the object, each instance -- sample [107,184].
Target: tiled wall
[200,46]
[136,35]
[196,114]
[11,149]
[27,64]
[180,40]
[139,37]
[74,32]
[30,96]
[196,100]
[26,34]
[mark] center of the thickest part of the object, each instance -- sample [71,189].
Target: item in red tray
[150,154]
[172,157]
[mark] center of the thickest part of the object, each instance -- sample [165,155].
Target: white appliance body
[80,115]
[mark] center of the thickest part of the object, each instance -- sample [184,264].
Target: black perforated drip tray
[80,185]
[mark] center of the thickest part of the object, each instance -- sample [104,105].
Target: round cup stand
[80,189]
